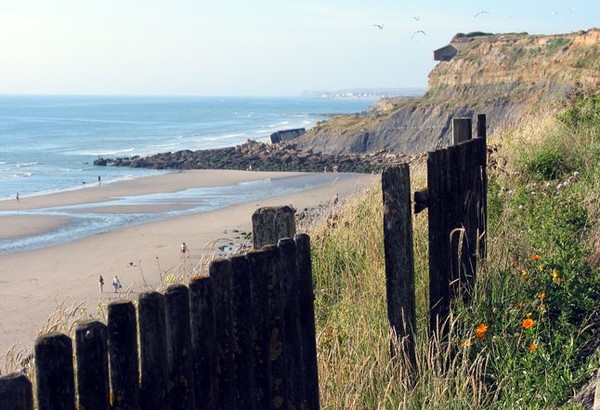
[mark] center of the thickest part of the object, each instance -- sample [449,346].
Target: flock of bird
[421,32]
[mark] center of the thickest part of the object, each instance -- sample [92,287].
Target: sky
[248,47]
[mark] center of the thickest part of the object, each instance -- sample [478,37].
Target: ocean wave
[223,137]
[279,124]
[106,153]
[26,164]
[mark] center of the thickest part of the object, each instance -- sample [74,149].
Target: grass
[524,340]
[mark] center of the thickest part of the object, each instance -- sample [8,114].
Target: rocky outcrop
[504,76]
[258,156]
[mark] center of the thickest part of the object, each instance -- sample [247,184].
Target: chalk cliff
[501,75]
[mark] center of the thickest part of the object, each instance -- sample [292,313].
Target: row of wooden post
[241,338]
[457,207]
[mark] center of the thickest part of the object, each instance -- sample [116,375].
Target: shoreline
[35,282]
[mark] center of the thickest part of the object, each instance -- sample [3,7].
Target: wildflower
[528,323]
[480,331]
[541,295]
[555,276]
[541,267]
[466,343]
[535,257]
[532,347]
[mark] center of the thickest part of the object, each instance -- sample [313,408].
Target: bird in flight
[418,32]
[416,18]
[480,13]
[379,26]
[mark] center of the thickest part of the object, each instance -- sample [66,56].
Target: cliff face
[503,76]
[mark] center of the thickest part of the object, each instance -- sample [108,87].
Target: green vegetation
[523,341]
[555,44]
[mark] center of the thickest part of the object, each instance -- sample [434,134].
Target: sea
[49,143]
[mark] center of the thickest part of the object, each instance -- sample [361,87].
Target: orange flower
[480,331]
[528,323]
[541,295]
[532,347]
[535,257]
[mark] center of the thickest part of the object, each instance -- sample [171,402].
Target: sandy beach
[34,283]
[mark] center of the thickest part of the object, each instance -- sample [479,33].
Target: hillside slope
[502,75]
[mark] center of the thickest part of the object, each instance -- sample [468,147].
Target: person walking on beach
[184,249]
[116,283]
[101,284]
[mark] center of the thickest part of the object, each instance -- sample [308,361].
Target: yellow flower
[535,257]
[528,323]
[480,331]
[466,343]
[541,267]
[532,347]
[555,276]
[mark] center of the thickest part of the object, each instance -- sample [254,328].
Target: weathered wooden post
[269,224]
[154,383]
[307,319]
[15,392]
[220,273]
[437,181]
[242,330]
[275,326]
[54,377]
[179,354]
[399,259]
[92,365]
[257,260]
[204,344]
[292,327]
[461,130]
[123,356]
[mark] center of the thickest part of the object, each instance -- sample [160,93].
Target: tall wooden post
[179,336]
[123,356]
[92,365]
[54,377]
[399,259]
[154,383]
[269,224]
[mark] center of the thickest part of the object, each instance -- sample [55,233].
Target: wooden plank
[221,275]
[292,326]
[91,338]
[179,352]
[204,344]
[55,382]
[123,356]
[399,260]
[438,239]
[15,392]
[242,331]
[306,299]
[461,130]
[154,380]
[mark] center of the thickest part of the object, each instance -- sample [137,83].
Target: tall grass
[523,341]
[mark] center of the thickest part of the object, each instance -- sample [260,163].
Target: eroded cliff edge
[502,75]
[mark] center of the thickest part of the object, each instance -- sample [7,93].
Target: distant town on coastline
[366,92]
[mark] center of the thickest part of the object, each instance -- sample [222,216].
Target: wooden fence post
[307,318]
[292,327]
[461,130]
[15,392]
[154,393]
[242,331]
[482,161]
[92,365]
[399,260]
[260,321]
[54,377]
[220,273]
[179,354]
[437,181]
[269,224]
[123,356]
[204,344]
